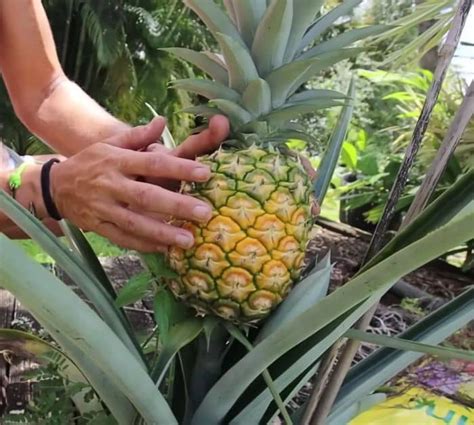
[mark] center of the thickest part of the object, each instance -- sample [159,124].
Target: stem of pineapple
[208,366]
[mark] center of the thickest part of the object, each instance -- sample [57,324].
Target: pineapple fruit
[249,255]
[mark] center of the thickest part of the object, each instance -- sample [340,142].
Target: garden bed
[438,281]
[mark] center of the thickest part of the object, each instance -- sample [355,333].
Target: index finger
[138,138]
[159,165]
[205,142]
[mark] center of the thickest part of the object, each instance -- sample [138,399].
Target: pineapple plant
[249,255]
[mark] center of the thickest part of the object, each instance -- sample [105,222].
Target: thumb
[140,137]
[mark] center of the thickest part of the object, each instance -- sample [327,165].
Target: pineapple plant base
[248,256]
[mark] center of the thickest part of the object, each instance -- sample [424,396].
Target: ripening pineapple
[248,257]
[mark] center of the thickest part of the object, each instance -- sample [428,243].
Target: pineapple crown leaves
[269,50]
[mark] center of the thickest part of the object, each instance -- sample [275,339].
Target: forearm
[51,106]
[68,110]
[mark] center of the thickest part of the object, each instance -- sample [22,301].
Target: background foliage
[111,49]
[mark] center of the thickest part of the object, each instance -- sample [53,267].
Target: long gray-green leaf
[406,345]
[82,246]
[239,336]
[292,111]
[238,116]
[202,61]
[257,98]
[179,336]
[286,80]
[248,14]
[240,65]
[325,22]
[215,18]
[343,40]
[333,151]
[271,39]
[316,94]
[370,284]
[206,88]
[76,270]
[65,313]
[304,12]
[108,391]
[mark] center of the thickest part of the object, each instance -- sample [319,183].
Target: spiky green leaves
[264,61]
[286,80]
[202,61]
[326,21]
[214,18]
[238,116]
[240,65]
[247,15]
[207,89]
[280,117]
[271,39]
[257,98]
[344,40]
[304,12]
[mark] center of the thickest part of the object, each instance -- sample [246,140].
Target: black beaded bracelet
[46,190]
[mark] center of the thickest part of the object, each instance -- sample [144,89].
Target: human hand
[194,146]
[98,191]
[312,173]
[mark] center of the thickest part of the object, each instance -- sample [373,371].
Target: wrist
[29,194]
[51,178]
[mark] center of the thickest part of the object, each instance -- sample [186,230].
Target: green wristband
[15,179]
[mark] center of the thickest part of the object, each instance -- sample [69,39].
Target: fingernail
[202,173]
[184,240]
[202,212]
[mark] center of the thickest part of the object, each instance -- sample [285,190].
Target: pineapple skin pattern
[248,256]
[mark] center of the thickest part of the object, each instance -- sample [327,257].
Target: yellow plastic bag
[416,407]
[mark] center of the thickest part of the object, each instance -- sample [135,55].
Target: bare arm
[97,188]
[49,104]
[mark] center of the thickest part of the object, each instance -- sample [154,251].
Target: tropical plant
[438,13]
[247,258]
[374,166]
[207,370]
[112,51]
[202,370]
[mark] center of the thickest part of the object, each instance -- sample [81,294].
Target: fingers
[315,209]
[149,164]
[144,228]
[308,167]
[158,147]
[148,198]
[207,141]
[127,241]
[140,137]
